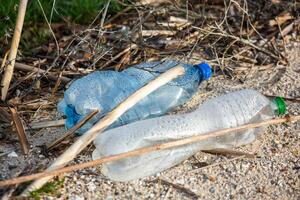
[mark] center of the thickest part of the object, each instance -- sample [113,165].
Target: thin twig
[46,124]
[104,14]
[246,42]
[216,164]
[229,152]
[71,131]
[131,47]
[290,27]
[20,80]
[158,147]
[13,50]
[91,134]
[179,188]
[49,25]
[119,14]
[29,68]
[3,61]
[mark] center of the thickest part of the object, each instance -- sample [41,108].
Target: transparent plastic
[229,110]
[104,90]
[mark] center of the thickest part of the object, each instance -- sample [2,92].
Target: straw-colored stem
[149,149]
[91,134]
[13,50]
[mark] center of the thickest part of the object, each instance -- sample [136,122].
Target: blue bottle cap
[205,69]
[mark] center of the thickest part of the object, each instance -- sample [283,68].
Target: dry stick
[216,164]
[290,27]
[14,49]
[226,152]
[3,61]
[19,81]
[29,68]
[119,14]
[46,124]
[179,187]
[91,134]
[149,149]
[71,131]
[131,47]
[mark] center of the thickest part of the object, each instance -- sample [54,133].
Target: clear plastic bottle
[104,90]
[229,110]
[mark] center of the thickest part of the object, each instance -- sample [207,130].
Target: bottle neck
[278,106]
[204,70]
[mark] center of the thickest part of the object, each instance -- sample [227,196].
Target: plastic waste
[104,90]
[226,111]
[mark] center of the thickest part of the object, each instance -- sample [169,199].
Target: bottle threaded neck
[205,70]
[281,106]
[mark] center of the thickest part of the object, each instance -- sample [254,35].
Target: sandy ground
[273,174]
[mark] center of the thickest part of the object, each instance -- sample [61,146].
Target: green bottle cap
[281,106]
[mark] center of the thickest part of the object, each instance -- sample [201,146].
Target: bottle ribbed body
[104,90]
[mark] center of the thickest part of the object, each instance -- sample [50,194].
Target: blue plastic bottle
[104,90]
